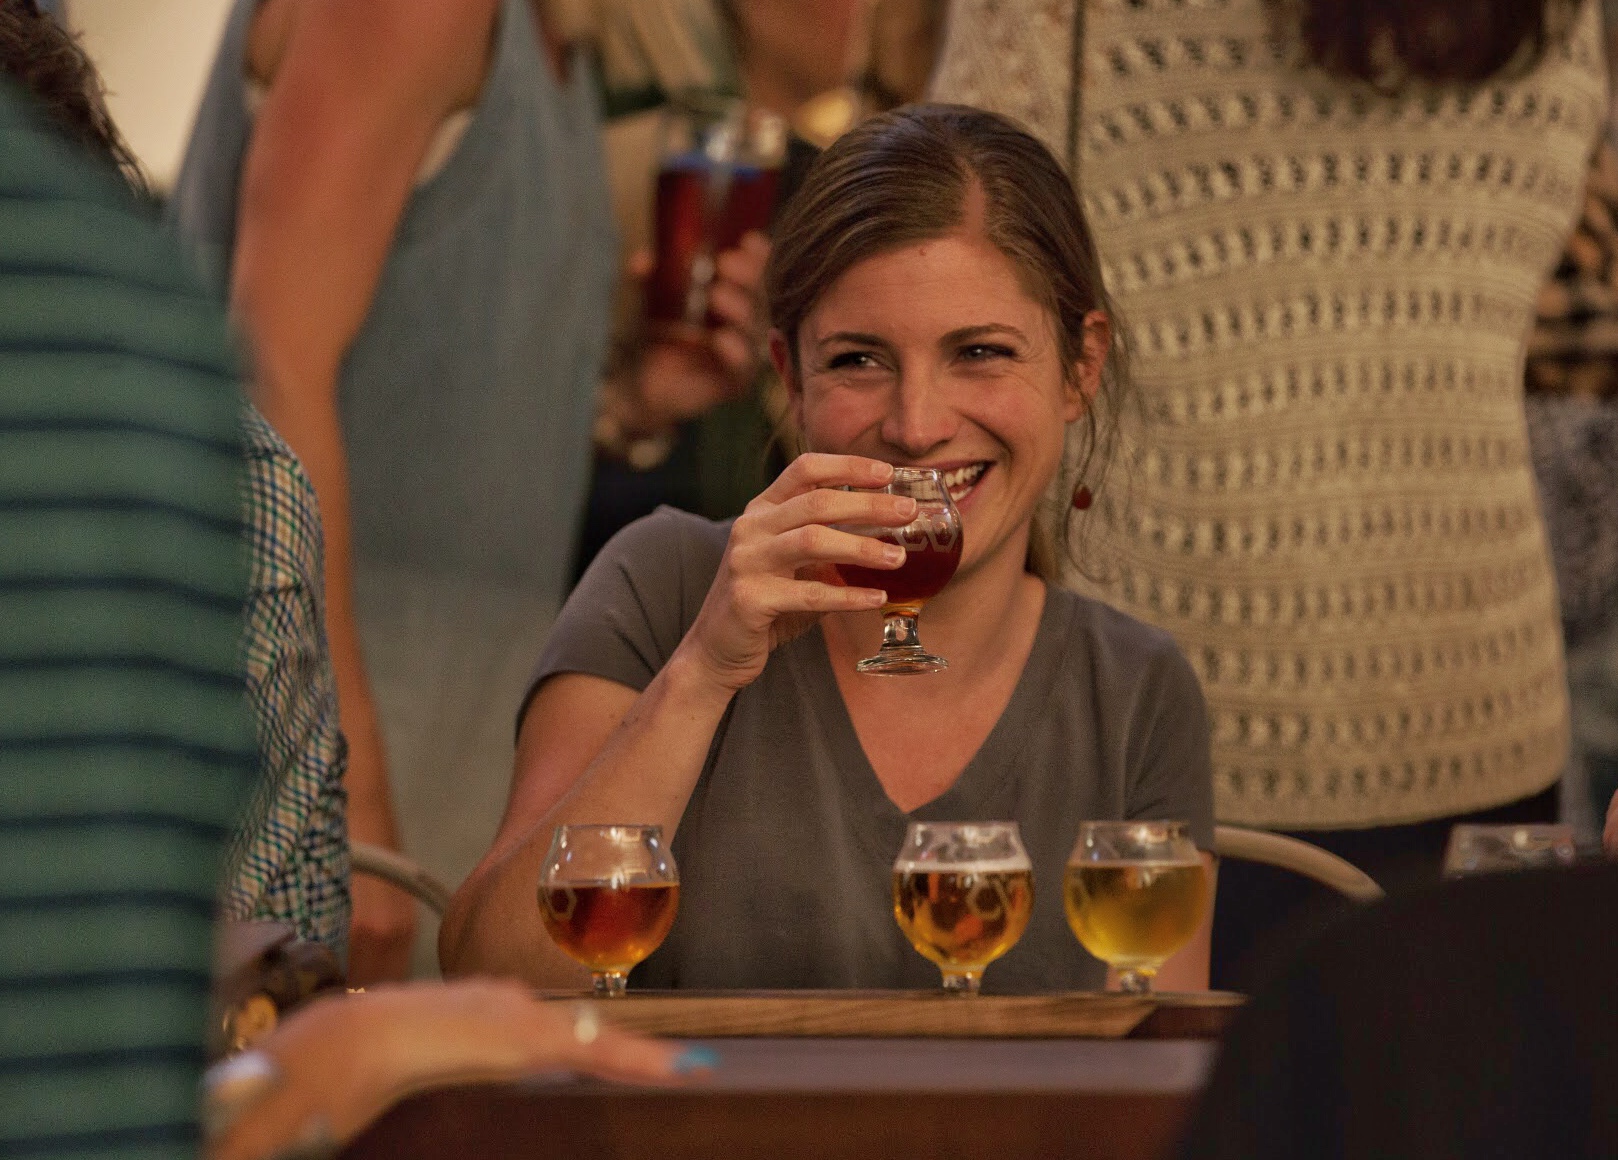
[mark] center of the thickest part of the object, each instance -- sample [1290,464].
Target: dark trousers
[1262,915]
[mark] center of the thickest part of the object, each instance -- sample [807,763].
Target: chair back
[1300,857]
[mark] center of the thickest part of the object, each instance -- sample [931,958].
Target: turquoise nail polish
[695,1059]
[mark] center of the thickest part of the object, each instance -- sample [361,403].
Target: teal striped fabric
[125,746]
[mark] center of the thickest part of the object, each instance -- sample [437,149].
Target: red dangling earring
[1082,498]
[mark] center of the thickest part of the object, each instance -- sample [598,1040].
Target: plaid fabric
[1574,346]
[289,859]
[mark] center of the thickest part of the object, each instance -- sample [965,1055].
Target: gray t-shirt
[787,845]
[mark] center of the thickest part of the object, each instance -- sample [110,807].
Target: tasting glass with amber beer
[1135,893]
[932,544]
[608,895]
[963,893]
[720,171]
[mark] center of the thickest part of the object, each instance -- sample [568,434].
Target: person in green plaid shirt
[289,859]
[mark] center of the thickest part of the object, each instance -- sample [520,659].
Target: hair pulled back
[906,177]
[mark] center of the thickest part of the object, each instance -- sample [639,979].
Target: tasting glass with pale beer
[1135,893]
[963,893]
[607,895]
[932,543]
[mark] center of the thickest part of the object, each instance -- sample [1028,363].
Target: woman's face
[936,356]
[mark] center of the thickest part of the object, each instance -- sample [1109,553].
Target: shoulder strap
[1075,75]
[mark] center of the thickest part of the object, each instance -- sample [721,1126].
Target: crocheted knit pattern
[1325,491]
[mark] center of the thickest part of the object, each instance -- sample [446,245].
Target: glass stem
[1135,982]
[609,984]
[963,982]
[899,631]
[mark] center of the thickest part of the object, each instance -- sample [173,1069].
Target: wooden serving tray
[915,1014]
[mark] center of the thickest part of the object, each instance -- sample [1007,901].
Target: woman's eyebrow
[968,333]
[852,336]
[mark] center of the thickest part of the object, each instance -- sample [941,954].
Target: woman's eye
[985,352]
[851,360]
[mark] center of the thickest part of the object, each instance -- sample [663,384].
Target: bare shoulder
[444,43]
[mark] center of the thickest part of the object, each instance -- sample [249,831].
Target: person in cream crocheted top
[1325,492]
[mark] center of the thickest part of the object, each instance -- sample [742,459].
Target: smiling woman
[936,303]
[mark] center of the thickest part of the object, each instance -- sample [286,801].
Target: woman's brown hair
[1390,43]
[905,177]
[47,61]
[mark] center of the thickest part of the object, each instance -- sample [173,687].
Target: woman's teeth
[963,479]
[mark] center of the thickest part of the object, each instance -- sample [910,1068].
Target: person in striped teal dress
[126,752]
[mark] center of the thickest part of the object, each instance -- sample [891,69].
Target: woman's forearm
[644,775]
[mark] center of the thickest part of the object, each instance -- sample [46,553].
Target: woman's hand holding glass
[778,574]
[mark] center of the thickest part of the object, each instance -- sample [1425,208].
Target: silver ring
[586,1023]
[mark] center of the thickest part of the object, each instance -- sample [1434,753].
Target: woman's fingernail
[893,553]
[695,1059]
[906,506]
[880,470]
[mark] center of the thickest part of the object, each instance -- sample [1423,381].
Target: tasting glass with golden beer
[1477,849]
[932,543]
[1135,893]
[963,893]
[608,895]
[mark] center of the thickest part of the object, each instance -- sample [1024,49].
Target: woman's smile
[935,355]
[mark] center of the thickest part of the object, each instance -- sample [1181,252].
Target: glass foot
[963,983]
[903,660]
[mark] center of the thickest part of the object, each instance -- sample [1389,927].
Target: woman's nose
[919,416]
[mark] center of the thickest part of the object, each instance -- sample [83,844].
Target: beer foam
[987,866]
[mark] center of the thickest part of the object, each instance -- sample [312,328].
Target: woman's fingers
[815,469]
[828,506]
[769,597]
[618,1055]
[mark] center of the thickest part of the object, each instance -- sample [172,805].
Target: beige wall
[154,56]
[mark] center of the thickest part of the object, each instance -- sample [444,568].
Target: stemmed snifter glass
[607,895]
[932,543]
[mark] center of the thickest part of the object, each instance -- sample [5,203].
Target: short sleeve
[634,603]
[1170,772]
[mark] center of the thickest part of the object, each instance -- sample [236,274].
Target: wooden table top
[915,1014]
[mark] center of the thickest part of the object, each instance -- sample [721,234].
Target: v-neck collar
[984,785]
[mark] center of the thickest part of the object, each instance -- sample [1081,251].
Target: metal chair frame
[402,872]
[1299,857]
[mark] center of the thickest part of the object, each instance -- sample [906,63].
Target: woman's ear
[1085,381]
[781,356]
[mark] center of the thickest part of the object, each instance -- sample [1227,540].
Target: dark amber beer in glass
[608,927]
[607,897]
[927,569]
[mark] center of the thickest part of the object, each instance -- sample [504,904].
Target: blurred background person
[1572,407]
[1325,223]
[1451,1024]
[288,860]
[124,748]
[408,203]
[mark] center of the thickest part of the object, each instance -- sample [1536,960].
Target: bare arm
[594,751]
[359,87]
[344,1060]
